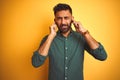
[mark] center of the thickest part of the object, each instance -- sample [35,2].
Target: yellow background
[25,22]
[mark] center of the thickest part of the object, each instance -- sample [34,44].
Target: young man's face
[63,20]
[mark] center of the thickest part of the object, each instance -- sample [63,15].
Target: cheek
[57,22]
[69,22]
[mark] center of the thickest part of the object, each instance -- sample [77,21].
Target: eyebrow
[63,17]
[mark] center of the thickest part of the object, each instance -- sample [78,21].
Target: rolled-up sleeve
[98,53]
[37,59]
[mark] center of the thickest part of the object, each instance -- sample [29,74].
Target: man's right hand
[44,48]
[53,29]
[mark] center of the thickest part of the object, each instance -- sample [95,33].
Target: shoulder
[44,39]
[78,36]
[74,33]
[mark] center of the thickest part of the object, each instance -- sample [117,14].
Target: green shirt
[66,56]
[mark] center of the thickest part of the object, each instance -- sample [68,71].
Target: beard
[64,28]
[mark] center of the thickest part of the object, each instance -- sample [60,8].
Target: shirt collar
[60,35]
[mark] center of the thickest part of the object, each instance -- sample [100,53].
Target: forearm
[43,50]
[93,44]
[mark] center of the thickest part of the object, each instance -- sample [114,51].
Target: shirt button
[66,67]
[65,78]
[66,48]
[66,58]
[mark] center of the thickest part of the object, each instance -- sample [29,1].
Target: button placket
[66,50]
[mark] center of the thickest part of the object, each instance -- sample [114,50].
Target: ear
[72,18]
[55,21]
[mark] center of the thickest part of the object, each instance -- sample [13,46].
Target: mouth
[64,27]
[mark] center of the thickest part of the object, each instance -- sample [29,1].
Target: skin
[63,20]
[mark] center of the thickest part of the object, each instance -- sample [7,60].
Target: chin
[65,31]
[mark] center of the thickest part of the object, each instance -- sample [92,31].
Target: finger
[76,24]
[73,20]
[54,26]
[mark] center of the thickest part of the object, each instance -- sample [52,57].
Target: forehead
[63,13]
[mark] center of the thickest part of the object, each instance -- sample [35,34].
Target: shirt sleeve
[37,59]
[98,53]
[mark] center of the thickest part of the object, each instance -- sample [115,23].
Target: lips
[63,27]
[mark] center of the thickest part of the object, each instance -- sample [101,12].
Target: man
[65,48]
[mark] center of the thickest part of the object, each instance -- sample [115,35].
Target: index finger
[73,21]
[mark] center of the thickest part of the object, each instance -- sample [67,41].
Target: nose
[63,21]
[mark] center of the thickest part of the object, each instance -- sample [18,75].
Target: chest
[66,47]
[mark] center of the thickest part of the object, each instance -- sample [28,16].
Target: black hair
[62,6]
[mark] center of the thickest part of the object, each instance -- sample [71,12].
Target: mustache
[63,25]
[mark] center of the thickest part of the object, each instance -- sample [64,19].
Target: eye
[66,18]
[58,18]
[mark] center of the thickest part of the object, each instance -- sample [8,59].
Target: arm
[93,47]
[43,50]
[40,55]
[93,44]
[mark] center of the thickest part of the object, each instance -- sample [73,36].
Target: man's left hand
[78,26]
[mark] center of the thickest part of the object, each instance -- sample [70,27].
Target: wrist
[51,36]
[85,32]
